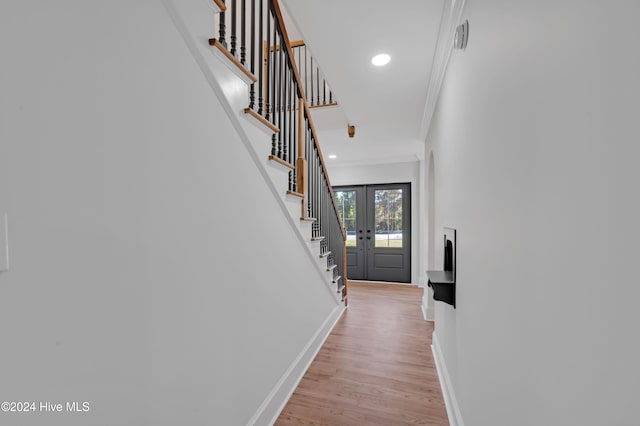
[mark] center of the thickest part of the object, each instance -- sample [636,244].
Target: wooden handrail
[285,39]
[220,5]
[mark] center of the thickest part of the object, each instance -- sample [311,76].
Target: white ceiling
[386,104]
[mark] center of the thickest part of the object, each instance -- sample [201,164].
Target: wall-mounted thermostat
[462,36]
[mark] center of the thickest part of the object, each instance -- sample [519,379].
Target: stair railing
[315,84]
[277,97]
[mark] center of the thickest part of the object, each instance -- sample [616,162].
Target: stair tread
[308,219]
[325,254]
[260,120]
[295,194]
[236,63]
[317,238]
[332,267]
[336,279]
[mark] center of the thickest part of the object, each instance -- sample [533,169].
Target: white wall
[535,147]
[390,173]
[153,273]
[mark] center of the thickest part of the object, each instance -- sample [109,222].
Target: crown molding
[451,16]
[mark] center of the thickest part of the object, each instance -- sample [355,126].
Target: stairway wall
[153,273]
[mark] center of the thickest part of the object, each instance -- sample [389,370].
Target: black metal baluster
[307,153]
[292,147]
[290,106]
[311,100]
[292,154]
[314,189]
[311,178]
[330,96]
[306,91]
[252,90]
[317,181]
[272,53]
[318,85]
[295,125]
[268,59]
[274,108]
[299,64]
[297,52]
[260,59]
[290,81]
[327,235]
[318,193]
[338,251]
[233,26]
[305,147]
[327,228]
[280,76]
[294,175]
[316,201]
[322,202]
[284,130]
[243,29]
[316,204]
[324,91]
[221,32]
[327,224]
[323,208]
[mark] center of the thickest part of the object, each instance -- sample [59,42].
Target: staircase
[251,61]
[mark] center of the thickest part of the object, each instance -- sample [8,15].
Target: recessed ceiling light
[332,156]
[381,59]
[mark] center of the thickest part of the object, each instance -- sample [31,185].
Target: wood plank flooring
[376,367]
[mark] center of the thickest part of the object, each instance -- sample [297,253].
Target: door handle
[368,232]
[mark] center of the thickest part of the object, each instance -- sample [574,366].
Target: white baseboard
[275,402]
[427,314]
[450,401]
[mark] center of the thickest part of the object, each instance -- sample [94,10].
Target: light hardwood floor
[376,367]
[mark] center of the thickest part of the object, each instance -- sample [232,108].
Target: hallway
[376,367]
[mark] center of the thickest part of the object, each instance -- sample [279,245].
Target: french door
[378,222]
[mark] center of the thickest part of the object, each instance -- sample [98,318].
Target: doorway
[378,222]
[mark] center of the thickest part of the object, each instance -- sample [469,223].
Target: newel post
[301,162]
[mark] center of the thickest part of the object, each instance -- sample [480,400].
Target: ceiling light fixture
[332,156]
[380,60]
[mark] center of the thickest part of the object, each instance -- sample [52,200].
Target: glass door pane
[388,218]
[346,202]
